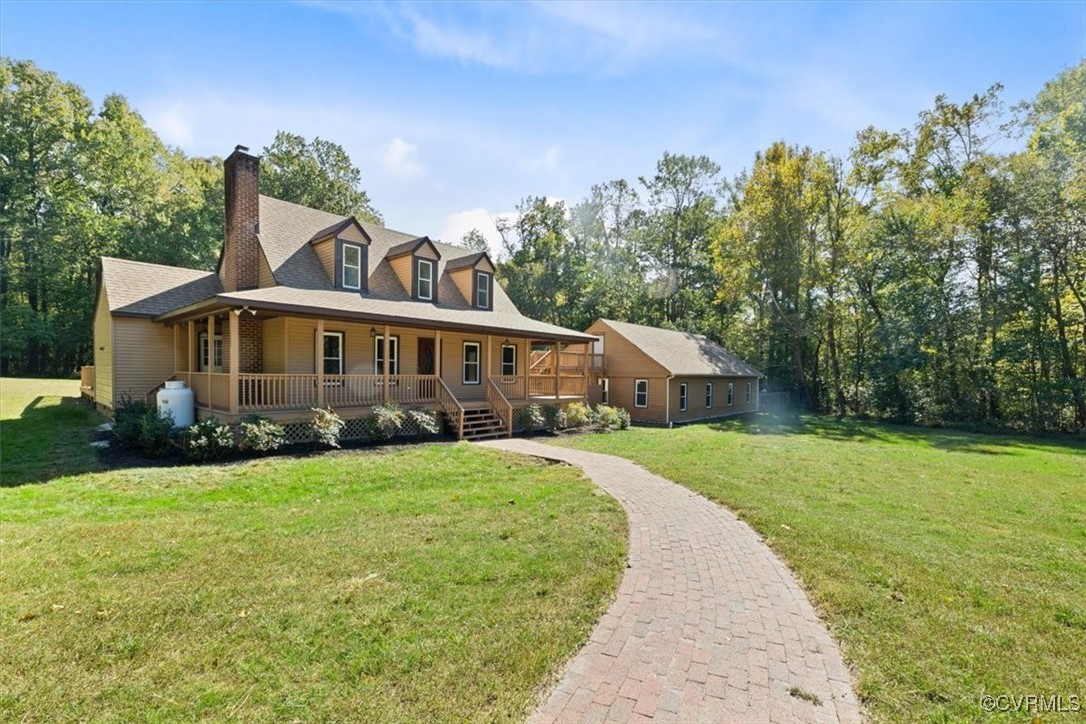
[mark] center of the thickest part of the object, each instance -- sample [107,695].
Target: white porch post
[318,361]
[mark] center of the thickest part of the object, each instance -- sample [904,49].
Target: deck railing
[454,411]
[500,405]
[511,387]
[292,392]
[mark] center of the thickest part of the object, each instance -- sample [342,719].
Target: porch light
[507,343]
[373,331]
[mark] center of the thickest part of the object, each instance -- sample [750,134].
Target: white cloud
[547,162]
[459,223]
[173,124]
[399,158]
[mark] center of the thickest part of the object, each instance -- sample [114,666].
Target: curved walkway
[708,624]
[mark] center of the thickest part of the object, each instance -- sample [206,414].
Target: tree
[316,173]
[475,241]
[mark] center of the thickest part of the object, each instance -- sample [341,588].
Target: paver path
[708,625]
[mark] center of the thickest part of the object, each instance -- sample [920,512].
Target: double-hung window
[708,395]
[215,365]
[641,393]
[748,393]
[509,360]
[332,353]
[471,364]
[731,394]
[605,391]
[393,355]
[482,290]
[682,397]
[351,266]
[424,279]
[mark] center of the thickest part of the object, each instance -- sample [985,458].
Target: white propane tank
[179,401]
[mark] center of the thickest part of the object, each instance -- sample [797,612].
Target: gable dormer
[415,265]
[343,250]
[473,275]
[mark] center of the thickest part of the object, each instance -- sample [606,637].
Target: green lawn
[438,582]
[950,565]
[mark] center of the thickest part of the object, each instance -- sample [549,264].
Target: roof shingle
[682,353]
[141,289]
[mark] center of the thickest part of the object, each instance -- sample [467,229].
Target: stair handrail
[451,406]
[501,406]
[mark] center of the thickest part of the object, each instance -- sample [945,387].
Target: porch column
[176,349]
[557,371]
[235,358]
[385,345]
[585,373]
[192,348]
[210,359]
[526,363]
[437,352]
[318,361]
[489,348]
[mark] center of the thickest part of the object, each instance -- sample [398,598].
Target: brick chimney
[241,252]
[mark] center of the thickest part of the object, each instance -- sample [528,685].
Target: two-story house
[311,309]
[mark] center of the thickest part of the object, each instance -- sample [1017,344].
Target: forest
[934,275]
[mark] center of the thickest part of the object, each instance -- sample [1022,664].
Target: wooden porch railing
[541,386]
[451,406]
[511,387]
[291,392]
[501,407]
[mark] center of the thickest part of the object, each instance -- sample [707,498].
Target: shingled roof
[140,289]
[683,353]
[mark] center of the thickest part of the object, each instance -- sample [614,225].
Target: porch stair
[480,423]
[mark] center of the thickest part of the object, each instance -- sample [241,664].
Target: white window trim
[709,395]
[342,352]
[748,393]
[683,395]
[343,265]
[393,353]
[731,394]
[636,383]
[478,364]
[502,360]
[605,391]
[204,360]
[429,266]
[480,289]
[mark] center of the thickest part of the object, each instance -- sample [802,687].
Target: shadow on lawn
[48,441]
[850,430]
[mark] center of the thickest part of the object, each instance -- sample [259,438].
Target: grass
[950,565]
[438,582]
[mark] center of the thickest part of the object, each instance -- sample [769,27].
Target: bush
[532,418]
[386,421]
[128,417]
[556,419]
[157,434]
[579,414]
[425,422]
[612,418]
[208,439]
[327,426]
[259,434]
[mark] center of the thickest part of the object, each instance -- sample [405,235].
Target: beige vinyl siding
[358,345]
[428,252]
[402,268]
[144,355]
[103,352]
[696,410]
[326,253]
[352,234]
[622,395]
[266,278]
[462,279]
[275,350]
[622,358]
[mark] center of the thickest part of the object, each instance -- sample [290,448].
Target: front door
[426,356]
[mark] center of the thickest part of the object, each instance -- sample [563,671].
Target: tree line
[928,276]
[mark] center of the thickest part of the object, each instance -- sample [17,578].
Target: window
[748,393]
[332,352]
[509,360]
[424,281]
[351,263]
[471,363]
[216,366]
[605,393]
[641,393]
[682,397]
[482,290]
[731,394]
[708,395]
[393,355]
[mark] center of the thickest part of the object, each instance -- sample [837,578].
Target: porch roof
[334,304]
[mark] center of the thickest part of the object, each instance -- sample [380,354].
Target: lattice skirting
[353,431]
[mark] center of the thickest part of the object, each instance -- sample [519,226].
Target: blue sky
[456,111]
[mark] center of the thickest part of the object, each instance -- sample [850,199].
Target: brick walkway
[708,624]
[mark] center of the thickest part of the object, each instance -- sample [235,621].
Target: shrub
[128,417]
[156,437]
[327,426]
[259,434]
[425,422]
[623,418]
[612,418]
[555,417]
[579,414]
[208,439]
[532,418]
[386,421]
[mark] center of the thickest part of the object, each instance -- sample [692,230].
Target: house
[663,376]
[311,309]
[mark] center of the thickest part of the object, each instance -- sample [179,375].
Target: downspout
[667,400]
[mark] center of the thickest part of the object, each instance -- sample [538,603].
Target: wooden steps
[480,423]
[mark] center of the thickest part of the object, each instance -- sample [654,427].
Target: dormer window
[424,279]
[351,266]
[483,283]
